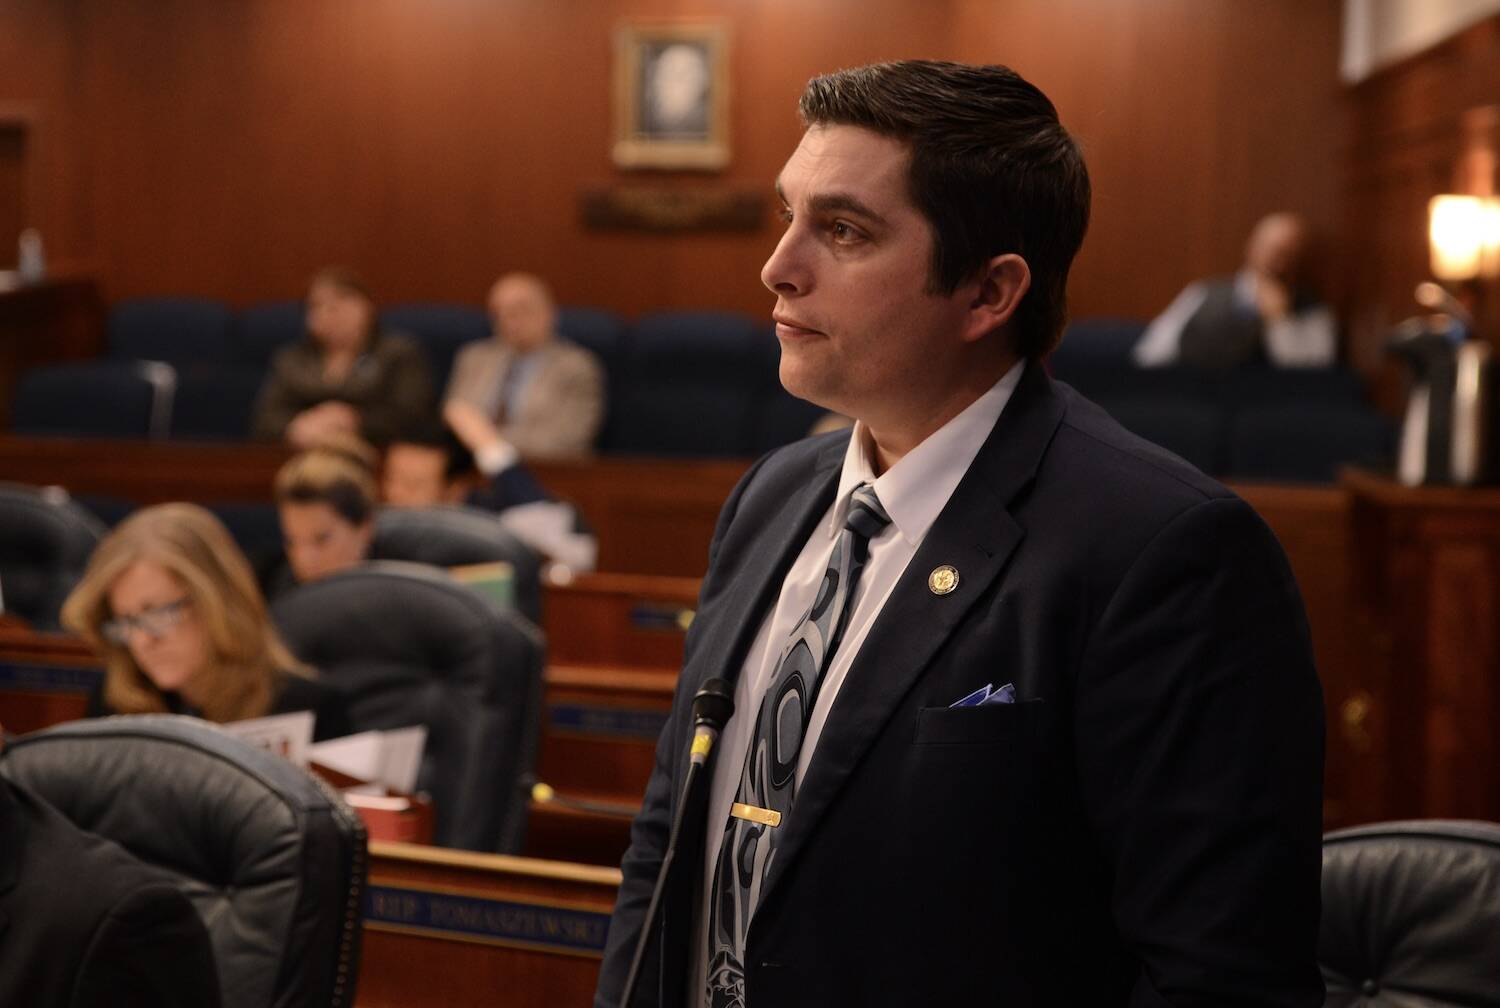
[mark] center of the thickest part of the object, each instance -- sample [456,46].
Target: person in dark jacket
[348,377]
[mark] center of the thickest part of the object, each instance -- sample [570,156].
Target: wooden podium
[1424,715]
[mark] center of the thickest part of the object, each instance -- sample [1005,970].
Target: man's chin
[806,385]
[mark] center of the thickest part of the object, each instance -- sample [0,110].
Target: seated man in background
[86,923]
[326,502]
[1265,312]
[543,394]
[429,465]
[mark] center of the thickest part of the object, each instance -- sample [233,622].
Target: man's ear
[1001,284]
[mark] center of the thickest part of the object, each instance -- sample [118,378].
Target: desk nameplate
[39,678]
[607,722]
[574,929]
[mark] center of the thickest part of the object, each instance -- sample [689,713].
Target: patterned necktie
[768,783]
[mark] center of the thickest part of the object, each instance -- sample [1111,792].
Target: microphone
[713,706]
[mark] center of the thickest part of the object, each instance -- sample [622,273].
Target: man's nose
[785,272]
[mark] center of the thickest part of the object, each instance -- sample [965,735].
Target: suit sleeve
[150,951]
[649,833]
[1200,761]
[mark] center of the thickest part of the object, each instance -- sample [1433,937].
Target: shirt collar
[915,489]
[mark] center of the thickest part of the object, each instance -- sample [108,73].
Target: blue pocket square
[987,694]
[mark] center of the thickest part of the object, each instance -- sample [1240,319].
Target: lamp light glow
[1456,228]
[1489,259]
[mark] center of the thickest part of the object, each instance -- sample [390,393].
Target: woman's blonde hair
[191,544]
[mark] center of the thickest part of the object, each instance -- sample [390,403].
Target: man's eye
[784,215]
[843,232]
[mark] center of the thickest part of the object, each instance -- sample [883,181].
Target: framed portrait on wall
[672,95]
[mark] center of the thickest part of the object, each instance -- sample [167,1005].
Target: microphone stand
[713,705]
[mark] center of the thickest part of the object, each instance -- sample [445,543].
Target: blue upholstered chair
[180,331]
[104,398]
[440,329]
[1259,386]
[262,329]
[690,385]
[1096,342]
[1192,431]
[215,403]
[1305,441]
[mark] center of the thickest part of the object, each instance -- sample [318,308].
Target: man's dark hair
[992,169]
[434,434]
[328,476]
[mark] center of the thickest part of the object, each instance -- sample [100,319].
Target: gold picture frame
[672,95]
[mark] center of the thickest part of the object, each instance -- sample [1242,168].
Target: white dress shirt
[1299,339]
[913,492]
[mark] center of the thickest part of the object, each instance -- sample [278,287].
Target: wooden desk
[1425,708]
[455,929]
[651,516]
[621,620]
[45,679]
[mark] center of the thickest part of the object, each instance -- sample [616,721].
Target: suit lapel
[975,534]
[758,580]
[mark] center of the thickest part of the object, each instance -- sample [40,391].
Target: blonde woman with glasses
[171,606]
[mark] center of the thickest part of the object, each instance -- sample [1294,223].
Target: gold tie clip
[764,816]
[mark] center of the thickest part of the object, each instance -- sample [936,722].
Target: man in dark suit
[84,924]
[1026,711]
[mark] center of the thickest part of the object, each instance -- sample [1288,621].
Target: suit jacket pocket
[989,724]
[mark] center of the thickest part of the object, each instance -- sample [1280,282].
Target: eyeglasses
[154,621]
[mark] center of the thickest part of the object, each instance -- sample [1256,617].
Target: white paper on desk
[391,758]
[286,735]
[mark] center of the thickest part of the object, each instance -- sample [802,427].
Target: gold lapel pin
[943,579]
[755,814]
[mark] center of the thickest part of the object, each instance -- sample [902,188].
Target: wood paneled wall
[1416,126]
[229,149]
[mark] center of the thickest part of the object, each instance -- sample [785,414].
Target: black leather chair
[447,536]
[1411,915]
[45,543]
[271,858]
[408,645]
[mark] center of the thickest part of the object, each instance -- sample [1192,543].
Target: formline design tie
[768,783]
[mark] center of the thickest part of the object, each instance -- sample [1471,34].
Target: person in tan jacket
[526,391]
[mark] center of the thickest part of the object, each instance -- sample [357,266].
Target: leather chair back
[405,644]
[271,858]
[451,536]
[45,543]
[1411,915]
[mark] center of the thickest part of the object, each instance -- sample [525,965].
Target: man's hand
[1272,299]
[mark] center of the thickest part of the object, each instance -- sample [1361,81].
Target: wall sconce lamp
[1463,234]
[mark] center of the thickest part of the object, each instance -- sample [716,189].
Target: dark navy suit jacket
[1142,828]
